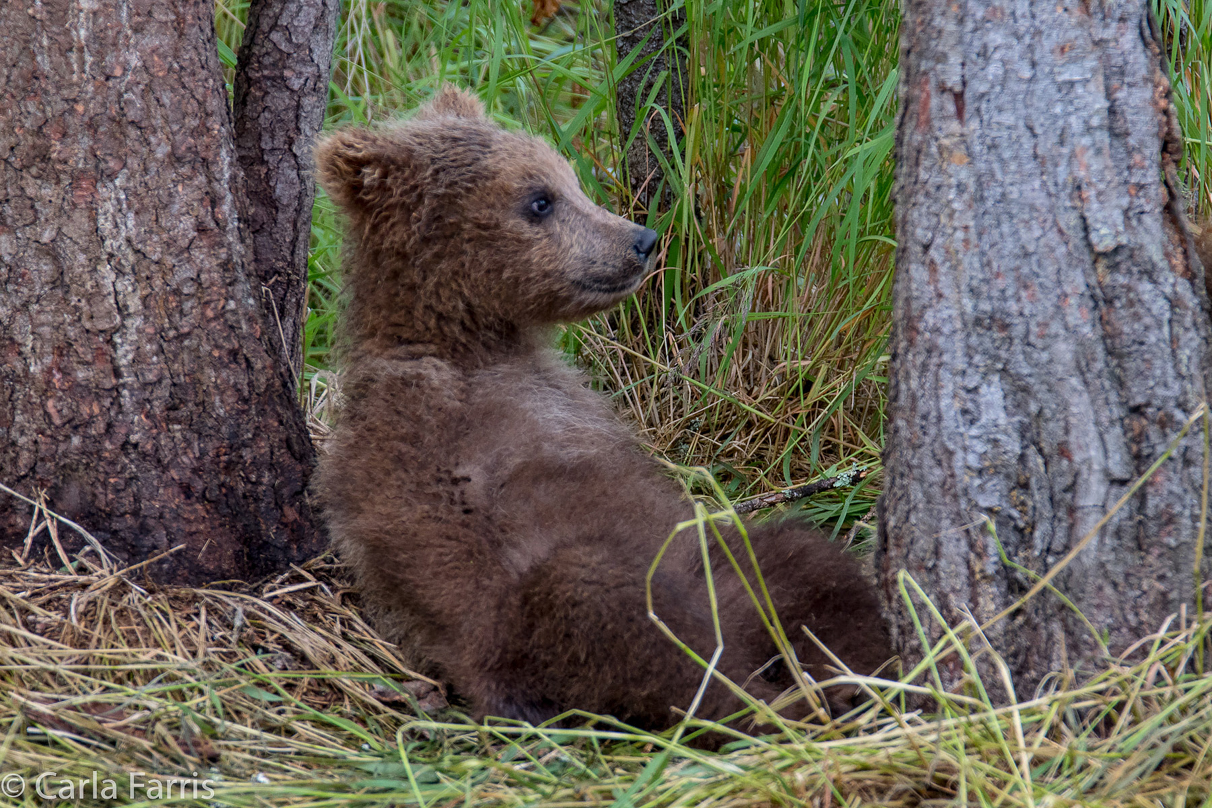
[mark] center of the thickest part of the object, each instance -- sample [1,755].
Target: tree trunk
[658,60]
[138,390]
[281,93]
[1051,331]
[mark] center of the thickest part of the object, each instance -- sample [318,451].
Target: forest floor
[282,695]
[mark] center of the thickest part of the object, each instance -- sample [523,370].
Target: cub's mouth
[605,285]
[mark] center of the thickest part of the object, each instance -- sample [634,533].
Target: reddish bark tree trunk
[281,93]
[138,389]
[1051,330]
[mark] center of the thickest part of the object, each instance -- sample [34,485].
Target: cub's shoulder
[408,370]
[401,399]
[425,379]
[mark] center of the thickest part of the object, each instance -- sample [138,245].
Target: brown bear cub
[499,518]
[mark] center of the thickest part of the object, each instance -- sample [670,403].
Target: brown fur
[499,518]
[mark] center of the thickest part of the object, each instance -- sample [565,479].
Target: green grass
[1188,27]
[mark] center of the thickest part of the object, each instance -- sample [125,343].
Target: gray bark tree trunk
[638,23]
[281,93]
[1051,330]
[139,387]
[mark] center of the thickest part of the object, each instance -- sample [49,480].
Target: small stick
[843,480]
[88,537]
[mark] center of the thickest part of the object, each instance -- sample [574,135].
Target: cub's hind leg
[578,635]
[814,583]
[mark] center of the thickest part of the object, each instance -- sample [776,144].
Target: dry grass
[281,695]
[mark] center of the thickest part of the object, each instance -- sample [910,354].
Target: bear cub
[499,518]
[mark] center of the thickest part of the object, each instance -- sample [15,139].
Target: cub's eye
[540,207]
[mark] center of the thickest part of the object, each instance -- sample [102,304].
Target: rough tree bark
[657,60]
[1051,329]
[281,93]
[138,387]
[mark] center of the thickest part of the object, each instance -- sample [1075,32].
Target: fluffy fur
[499,518]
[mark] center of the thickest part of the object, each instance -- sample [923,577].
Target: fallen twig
[843,480]
[106,558]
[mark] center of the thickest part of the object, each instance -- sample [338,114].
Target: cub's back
[553,465]
[444,487]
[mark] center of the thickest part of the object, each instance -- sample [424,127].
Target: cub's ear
[453,103]
[355,165]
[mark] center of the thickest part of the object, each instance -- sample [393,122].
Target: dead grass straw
[281,695]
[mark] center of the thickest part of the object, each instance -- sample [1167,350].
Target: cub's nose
[645,241]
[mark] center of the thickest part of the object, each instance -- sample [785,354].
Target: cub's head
[453,217]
